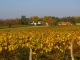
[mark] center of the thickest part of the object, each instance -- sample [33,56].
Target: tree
[24,20]
[55,20]
[77,20]
[50,21]
[64,19]
[68,19]
[71,19]
[34,18]
[10,22]
[45,18]
[17,21]
[1,22]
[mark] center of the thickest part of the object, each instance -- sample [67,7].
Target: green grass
[18,27]
[55,28]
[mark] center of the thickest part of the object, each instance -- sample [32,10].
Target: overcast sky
[58,8]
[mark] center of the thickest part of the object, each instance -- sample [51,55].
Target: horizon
[17,8]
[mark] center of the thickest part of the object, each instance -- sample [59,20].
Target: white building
[35,23]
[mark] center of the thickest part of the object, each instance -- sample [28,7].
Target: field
[40,43]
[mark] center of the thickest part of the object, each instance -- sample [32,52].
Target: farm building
[77,23]
[64,23]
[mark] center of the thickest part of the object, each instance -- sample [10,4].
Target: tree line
[50,20]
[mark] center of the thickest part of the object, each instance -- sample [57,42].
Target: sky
[57,8]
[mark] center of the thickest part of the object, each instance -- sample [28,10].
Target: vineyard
[43,43]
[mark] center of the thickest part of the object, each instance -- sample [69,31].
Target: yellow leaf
[0,48]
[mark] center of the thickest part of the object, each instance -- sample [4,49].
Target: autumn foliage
[45,44]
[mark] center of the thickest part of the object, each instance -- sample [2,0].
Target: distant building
[39,22]
[35,23]
[64,23]
[47,24]
[77,23]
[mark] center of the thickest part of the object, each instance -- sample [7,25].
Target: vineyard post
[72,57]
[30,54]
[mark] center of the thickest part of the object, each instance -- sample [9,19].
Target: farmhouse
[35,23]
[64,23]
[77,23]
